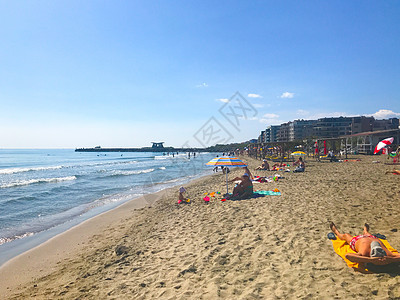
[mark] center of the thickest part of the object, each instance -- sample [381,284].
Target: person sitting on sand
[243,189]
[368,247]
[301,166]
[182,198]
[264,166]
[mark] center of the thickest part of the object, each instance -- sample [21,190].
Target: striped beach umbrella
[299,153]
[225,161]
[382,144]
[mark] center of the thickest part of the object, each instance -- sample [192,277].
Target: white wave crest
[162,168]
[127,173]
[21,170]
[4,240]
[40,180]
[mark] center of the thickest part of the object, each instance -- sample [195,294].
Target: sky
[189,73]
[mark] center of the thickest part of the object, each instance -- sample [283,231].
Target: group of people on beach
[300,166]
[366,247]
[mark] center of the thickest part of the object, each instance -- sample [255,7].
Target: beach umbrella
[225,161]
[382,144]
[298,153]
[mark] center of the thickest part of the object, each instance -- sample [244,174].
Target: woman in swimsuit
[368,248]
[244,188]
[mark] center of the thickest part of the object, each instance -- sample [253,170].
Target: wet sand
[272,247]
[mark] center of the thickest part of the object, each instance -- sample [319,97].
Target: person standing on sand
[368,247]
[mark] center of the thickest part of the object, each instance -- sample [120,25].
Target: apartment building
[325,128]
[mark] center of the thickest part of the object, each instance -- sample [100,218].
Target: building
[325,128]
[300,129]
[271,133]
[392,123]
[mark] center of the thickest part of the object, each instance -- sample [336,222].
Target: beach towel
[257,194]
[342,248]
[267,193]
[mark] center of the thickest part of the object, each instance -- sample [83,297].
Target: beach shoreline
[41,259]
[272,247]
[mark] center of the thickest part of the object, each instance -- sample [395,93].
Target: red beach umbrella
[382,144]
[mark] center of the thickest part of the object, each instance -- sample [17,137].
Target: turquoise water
[43,189]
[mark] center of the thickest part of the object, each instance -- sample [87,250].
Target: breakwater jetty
[144,149]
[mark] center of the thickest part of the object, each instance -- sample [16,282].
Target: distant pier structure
[158,145]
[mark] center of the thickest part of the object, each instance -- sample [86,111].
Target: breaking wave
[40,180]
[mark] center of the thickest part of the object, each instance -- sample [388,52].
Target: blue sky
[126,73]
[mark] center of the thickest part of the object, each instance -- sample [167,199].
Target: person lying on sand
[395,172]
[243,189]
[368,247]
[278,166]
[264,166]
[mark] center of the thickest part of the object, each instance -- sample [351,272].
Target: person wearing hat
[244,188]
[368,248]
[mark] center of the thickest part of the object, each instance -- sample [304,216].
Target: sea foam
[40,180]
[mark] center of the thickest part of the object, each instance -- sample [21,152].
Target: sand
[272,247]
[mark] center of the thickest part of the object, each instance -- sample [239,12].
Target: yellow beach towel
[342,248]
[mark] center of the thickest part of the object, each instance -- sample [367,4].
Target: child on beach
[182,198]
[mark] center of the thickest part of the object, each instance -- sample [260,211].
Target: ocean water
[44,189]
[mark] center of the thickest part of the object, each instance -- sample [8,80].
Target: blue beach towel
[267,193]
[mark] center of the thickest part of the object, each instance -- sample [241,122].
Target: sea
[44,192]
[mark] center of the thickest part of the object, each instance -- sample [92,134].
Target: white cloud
[258,105]
[254,96]
[270,119]
[202,85]
[385,114]
[271,116]
[302,112]
[223,100]
[287,95]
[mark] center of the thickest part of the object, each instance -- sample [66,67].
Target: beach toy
[223,200]
[212,194]
[206,199]
[179,201]
[276,190]
[219,193]
[188,200]
[205,193]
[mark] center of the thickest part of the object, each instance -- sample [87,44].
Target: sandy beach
[272,247]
